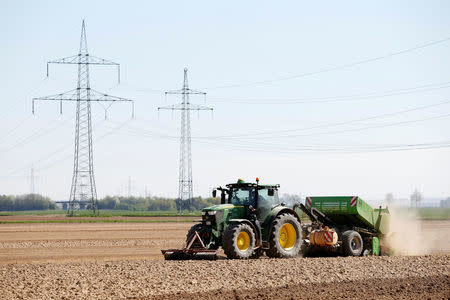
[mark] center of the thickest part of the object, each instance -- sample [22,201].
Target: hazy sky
[331,132]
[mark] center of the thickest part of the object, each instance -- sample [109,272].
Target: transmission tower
[83,191]
[185,192]
[32,181]
[129,187]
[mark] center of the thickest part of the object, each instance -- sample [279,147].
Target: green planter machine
[343,225]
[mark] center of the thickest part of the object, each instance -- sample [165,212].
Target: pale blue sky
[226,44]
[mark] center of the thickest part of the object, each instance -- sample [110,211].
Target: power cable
[35,135]
[20,124]
[325,70]
[265,133]
[331,99]
[45,167]
[405,147]
[257,146]
[21,99]
[140,132]
[47,156]
[364,128]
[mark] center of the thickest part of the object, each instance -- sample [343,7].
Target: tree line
[153,203]
[39,202]
[26,202]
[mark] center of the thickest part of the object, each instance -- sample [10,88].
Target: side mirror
[214,193]
[271,192]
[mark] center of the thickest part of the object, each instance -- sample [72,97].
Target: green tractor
[249,221]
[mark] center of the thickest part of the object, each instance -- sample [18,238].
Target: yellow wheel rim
[243,241]
[287,236]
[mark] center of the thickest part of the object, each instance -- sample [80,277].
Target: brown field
[43,218]
[121,260]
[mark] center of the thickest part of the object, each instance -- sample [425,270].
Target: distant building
[445,203]
[62,204]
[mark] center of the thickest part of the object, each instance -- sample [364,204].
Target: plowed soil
[123,260]
[43,242]
[63,217]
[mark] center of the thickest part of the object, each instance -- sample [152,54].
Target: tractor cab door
[242,198]
[267,199]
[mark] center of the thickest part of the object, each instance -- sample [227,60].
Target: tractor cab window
[242,196]
[266,201]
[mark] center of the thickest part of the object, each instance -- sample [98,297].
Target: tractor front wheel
[206,240]
[239,241]
[285,237]
[191,232]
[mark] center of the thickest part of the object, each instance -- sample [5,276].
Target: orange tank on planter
[324,237]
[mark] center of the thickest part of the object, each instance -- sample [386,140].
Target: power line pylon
[129,187]
[185,191]
[32,181]
[83,192]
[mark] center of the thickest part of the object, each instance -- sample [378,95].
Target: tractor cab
[250,198]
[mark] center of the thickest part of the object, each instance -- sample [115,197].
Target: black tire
[306,250]
[239,241]
[352,243]
[191,232]
[208,243]
[285,238]
[257,253]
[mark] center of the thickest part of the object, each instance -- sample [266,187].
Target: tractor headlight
[212,217]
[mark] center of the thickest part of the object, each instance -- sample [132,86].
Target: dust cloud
[406,236]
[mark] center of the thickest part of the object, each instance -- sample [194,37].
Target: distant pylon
[129,187]
[185,190]
[83,192]
[32,182]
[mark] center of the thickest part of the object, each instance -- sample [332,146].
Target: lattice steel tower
[185,191]
[83,192]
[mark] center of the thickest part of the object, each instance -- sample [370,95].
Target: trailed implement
[195,249]
[344,225]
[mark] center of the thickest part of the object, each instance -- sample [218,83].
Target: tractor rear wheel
[352,243]
[286,237]
[239,241]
